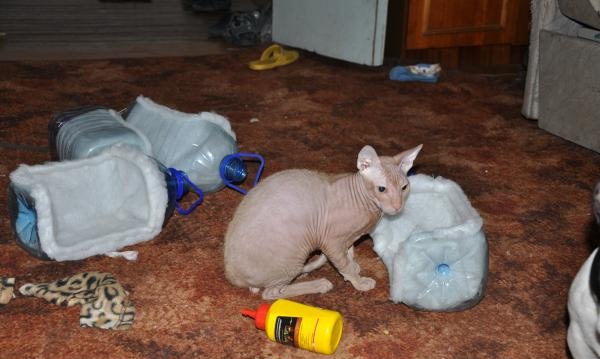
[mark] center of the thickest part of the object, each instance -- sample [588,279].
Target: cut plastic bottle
[75,209]
[203,146]
[435,249]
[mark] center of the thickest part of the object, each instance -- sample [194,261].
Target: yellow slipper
[274,56]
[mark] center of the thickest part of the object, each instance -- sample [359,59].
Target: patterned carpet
[532,189]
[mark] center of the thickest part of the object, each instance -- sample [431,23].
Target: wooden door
[457,23]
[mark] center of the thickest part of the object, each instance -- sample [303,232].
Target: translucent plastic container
[86,131]
[75,209]
[435,249]
[195,144]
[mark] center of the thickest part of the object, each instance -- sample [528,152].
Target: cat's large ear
[406,159]
[368,162]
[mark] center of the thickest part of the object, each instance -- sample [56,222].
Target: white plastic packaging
[435,249]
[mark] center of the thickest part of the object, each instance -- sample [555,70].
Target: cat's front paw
[364,283]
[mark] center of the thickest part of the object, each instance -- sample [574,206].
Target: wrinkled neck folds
[359,196]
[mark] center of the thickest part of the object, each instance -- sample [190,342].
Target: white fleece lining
[437,214]
[170,113]
[95,205]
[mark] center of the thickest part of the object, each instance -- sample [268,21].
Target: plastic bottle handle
[182,179]
[239,156]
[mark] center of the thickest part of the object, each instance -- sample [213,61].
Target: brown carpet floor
[532,189]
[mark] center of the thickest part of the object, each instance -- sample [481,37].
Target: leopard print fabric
[104,302]
[7,287]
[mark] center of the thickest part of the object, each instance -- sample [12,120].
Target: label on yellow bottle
[287,330]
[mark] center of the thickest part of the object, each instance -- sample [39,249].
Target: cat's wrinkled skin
[297,212]
[584,303]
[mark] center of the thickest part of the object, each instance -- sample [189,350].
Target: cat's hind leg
[291,290]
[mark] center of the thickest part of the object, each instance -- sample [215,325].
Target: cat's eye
[404,187]
[381,189]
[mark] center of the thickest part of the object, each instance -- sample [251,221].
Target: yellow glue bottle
[303,326]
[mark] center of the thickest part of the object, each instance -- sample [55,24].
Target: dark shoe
[245,28]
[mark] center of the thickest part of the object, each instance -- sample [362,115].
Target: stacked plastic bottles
[190,152]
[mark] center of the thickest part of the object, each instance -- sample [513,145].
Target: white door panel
[351,30]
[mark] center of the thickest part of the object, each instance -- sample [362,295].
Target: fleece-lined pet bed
[76,209]
[435,249]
